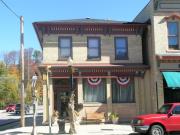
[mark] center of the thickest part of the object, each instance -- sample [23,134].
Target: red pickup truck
[166,120]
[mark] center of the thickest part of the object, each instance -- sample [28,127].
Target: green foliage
[8,89]
[113,115]
[3,70]
[8,85]
[10,76]
[2,104]
[37,56]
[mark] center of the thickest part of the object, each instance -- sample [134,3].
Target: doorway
[61,89]
[171,95]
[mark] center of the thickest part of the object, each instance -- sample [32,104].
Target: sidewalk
[91,129]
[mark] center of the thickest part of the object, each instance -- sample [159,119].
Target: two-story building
[164,48]
[125,67]
[111,65]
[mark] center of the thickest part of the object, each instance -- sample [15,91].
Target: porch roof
[96,70]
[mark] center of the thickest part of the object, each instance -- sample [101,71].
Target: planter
[61,123]
[115,120]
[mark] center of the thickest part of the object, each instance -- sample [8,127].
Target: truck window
[165,109]
[176,110]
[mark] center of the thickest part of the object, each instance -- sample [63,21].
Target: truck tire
[157,130]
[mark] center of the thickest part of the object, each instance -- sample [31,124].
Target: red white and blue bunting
[94,81]
[123,80]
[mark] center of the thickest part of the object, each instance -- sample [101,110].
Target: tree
[31,60]
[8,85]
[11,58]
[3,70]
[10,75]
[37,57]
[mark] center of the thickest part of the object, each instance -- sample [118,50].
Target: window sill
[93,59]
[172,51]
[62,59]
[122,58]
[90,104]
[123,102]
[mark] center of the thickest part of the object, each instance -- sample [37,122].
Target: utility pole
[22,70]
[22,122]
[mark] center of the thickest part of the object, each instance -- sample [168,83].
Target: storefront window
[123,92]
[94,93]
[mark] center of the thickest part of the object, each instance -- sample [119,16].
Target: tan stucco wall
[144,93]
[161,34]
[79,43]
[158,45]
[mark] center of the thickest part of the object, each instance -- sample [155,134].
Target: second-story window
[94,48]
[121,48]
[65,47]
[173,35]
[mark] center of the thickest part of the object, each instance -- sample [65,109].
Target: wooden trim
[173,58]
[84,28]
[173,17]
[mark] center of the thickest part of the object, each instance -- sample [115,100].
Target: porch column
[80,91]
[45,99]
[109,96]
[51,96]
[45,116]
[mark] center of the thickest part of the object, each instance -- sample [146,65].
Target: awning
[172,79]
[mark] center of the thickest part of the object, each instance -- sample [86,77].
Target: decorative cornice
[87,28]
[168,58]
[102,71]
[173,17]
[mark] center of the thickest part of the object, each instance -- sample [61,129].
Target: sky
[49,10]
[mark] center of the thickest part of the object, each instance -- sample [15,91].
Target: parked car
[18,109]
[10,108]
[166,120]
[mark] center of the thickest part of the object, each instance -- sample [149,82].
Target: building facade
[118,66]
[164,16]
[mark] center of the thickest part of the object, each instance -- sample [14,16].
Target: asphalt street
[12,120]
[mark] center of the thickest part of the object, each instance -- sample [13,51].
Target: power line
[10,9]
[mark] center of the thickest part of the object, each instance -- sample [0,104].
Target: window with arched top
[173,23]
[173,39]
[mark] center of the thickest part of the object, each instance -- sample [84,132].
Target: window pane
[65,42]
[172,28]
[173,41]
[94,93]
[93,47]
[176,110]
[65,47]
[121,53]
[65,53]
[125,94]
[120,43]
[93,42]
[121,48]
[92,52]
